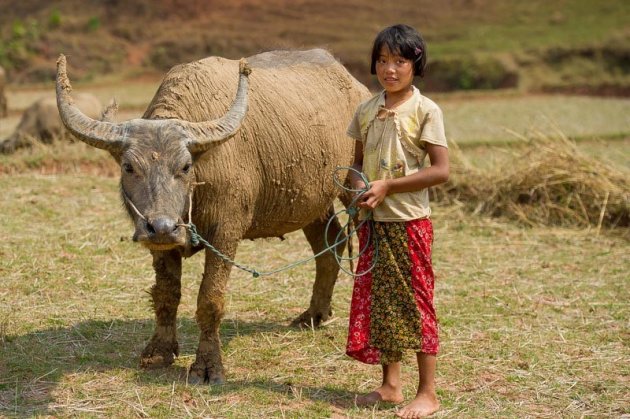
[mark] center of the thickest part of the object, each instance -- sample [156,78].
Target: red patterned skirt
[392,305]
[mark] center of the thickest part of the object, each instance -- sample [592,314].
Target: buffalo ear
[110,111]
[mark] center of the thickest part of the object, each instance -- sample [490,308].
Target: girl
[392,305]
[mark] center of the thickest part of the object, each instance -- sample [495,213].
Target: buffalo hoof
[159,354]
[200,373]
[310,319]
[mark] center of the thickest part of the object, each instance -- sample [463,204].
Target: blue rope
[352,210]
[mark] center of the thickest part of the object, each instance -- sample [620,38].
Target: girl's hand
[371,199]
[358,185]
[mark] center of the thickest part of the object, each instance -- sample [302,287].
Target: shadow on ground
[33,364]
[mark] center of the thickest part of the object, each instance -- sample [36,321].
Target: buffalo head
[156,158]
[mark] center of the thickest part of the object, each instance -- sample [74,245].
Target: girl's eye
[127,168]
[186,168]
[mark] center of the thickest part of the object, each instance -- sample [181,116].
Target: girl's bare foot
[383,394]
[423,405]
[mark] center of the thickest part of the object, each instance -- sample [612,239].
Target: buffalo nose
[161,227]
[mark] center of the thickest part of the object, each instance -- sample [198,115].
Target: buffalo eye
[127,168]
[186,168]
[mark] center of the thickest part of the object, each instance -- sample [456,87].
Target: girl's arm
[355,180]
[434,175]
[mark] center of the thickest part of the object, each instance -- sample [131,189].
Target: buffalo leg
[326,270]
[166,293]
[208,365]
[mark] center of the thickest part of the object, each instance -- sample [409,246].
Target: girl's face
[394,73]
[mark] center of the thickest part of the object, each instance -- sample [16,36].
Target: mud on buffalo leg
[166,293]
[208,365]
[326,270]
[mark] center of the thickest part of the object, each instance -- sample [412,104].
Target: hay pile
[552,183]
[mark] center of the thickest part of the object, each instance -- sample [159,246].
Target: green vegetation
[537,25]
[18,46]
[93,23]
[473,44]
[54,21]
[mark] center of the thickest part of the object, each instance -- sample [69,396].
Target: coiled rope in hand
[340,239]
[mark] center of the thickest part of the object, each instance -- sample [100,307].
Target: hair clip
[418,51]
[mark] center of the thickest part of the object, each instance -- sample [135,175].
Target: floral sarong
[392,306]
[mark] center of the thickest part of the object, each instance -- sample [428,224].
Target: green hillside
[567,45]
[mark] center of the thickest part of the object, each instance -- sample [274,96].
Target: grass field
[471,119]
[534,321]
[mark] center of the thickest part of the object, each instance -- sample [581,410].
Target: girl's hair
[404,41]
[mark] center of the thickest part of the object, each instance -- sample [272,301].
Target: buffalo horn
[104,135]
[206,133]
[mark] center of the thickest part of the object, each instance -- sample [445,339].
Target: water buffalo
[261,172]
[41,123]
[3,98]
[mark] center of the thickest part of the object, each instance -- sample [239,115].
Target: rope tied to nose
[352,210]
[139,214]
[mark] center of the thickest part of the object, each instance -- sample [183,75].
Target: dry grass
[551,183]
[534,322]
[63,157]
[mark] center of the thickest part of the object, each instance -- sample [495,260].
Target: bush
[21,46]
[602,70]
[94,23]
[54,21]
[466,73]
